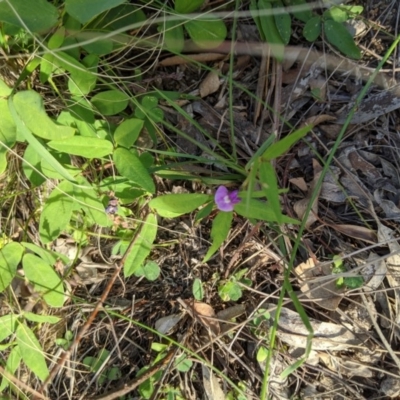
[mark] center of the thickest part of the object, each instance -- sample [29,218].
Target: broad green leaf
[126,133]
[174,205]
[130,167]
[93,42]
[85,10]
[5,90]
[10,256]
[64,159]
[8,130]
[56,213]
[42,319]
[143,245]
[50,257]
[32,166]
[230,291]
[38,18]
[183,364]
[57,39]
[45,279]
[262,354]
[89,147]
[207,33]
[219,232]
[301,9]
[90,203]
[30,108]
[173,35]
[110,102]
[270,187]
[47,67]
[281,147]
[3,160]
[13,361]
[7,325]
[31,352]
[186,7]
[122,188]
[339,36]
[283,21]
[197,289]
[337,14]
[270,30]
[151,271]
[312,28]
[259,210]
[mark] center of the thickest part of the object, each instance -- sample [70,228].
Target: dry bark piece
[201,58]
[374,272]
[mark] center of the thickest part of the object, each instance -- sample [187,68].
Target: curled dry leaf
[356,232]
[210,84]
[327,335]
[165,324]
[324,293]
[207,316]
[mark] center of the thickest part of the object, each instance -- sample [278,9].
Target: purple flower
[226,200]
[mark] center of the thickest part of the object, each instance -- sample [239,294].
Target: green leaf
[174,205]
[3,160]
[301,9]
[207,33]
[5,90]
[31,352]
[312,28]
[30,108]
[39,18]
[89,202]
[269,184]
[50,257]
[32,166]
[186,7]
[89,147]
[151,271]
[41,319]
[10,256]
[230,291]
[339,36]
[197,289]
[85,10]
[283,21]
[259,210]
[127,133]
[37,146]
[173,35]
[57,39]
[219,232]
[110,102]
[281,147]
[7,325]
[130,167]
[183,364]
[13,361]
[45,279]
[8,130]
[262,354]
[56,212]
[64,159]
[337,14]
[142,247]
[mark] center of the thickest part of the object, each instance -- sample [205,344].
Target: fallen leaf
[356,232]
[210,84]
[211,385]
[207,316]
[165,324]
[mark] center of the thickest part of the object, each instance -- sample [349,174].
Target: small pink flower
[226,200]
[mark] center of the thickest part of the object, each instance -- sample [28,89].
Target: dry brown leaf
[211,385]
[165,324]
[300,183]
[356,232]
[374,272]
[327,335]
[207,316]
[210,84]
[318,119]
[324,293]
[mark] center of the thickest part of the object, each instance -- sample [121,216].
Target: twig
[21,384]
[90,320]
